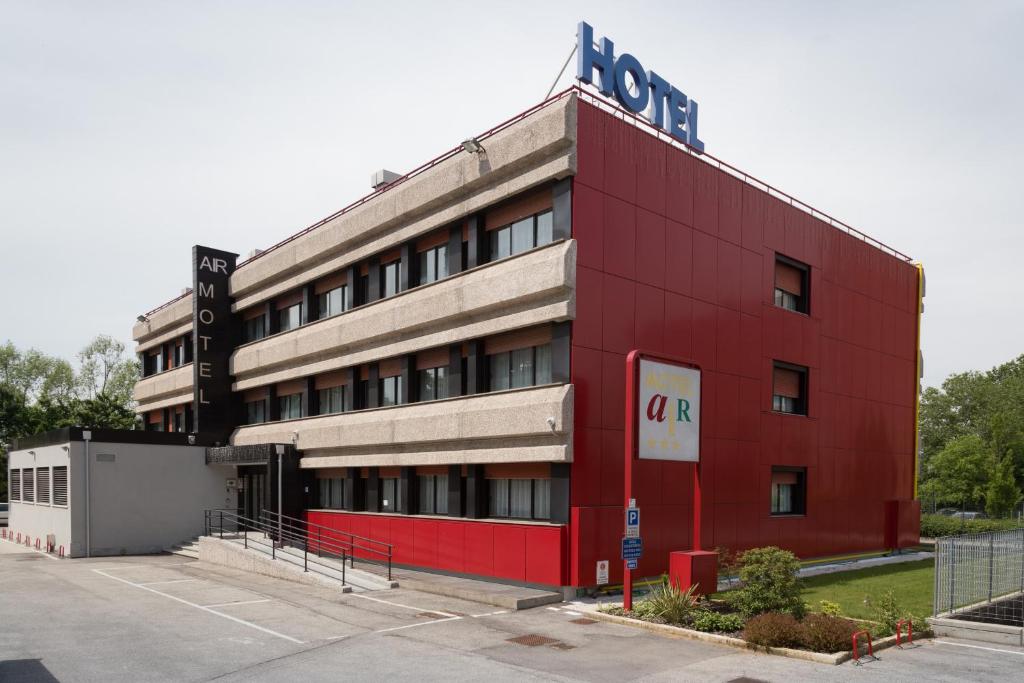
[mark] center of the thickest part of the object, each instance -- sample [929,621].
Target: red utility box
[902,524]
[689,567]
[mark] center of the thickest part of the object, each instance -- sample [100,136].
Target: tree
[101,412]
[959,472]
[1003,494]
[106,370]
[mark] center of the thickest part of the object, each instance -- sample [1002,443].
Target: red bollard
[37,544]
[910,632]
[19,537]
[856,654]
[60,553]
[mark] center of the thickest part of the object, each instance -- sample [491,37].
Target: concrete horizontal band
[164,337]
[532,151]
[166,402]
[160,322]
[164,385]
[533,288]
[506,426]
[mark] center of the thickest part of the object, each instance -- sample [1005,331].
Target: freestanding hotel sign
[640,91]
[212,342]
[669,411]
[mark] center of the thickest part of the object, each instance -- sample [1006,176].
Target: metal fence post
[305,556]
[991,555]
[245,535]
[221,523]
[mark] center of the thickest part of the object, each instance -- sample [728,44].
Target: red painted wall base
[694,567]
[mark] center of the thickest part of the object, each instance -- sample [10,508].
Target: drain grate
[582,621]
[559,645]
[745,679]
[532,640]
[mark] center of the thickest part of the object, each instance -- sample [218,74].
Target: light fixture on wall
[552,423]
[473,146]
[142,318]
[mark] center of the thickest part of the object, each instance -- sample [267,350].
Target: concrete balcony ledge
[535,287]
[164,323]
[505,426]
[171,387]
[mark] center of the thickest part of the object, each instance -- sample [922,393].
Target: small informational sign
[232,483]
[632,548]
[668,411]
[602,572]
[631,564]
[632,522]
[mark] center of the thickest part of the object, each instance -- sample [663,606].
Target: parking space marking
[200,607]
[423,623]
[237,602]
[489,614]
[398,604]
[157,583]
[979,647]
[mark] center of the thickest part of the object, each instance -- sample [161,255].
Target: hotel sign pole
[663,420]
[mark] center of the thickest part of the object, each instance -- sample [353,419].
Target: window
[156,425]
[332,493]
[390,391]
[433,494]
[791,284]
[179,421]
[520,368]
[290,406]
[522,235]
[434,264]
[332,302]
[433,383]
[789,492]
[28,481]
[520,498]
[390,495]
[789,389]
[179,355]
[256,412]
[256,328]
[331,400]
[43,485]
[15,484]
[390,278]
[60,485]
[155,363]
[290,317]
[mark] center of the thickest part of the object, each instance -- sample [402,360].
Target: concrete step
[188,548]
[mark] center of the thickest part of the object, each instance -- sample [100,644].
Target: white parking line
[979,647]
[575,614]
[237,602]
[423,623]
[489,614]
[157,583]
[200,607]
[398,604]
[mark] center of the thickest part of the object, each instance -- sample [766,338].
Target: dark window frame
[327,407]
[323,306]
[801,302]
[249,334]
[396,265]
[382,383]
[437,381]
[440,494]
[281,312]
[496,235]
[291,400]
[533,360]
[779,403]
[249,405]
[533,499]
[798,502]
[439,260]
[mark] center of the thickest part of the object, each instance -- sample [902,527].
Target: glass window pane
[522,235]
[427,388]
[522,368]
[441,382]
[425,267]
[543,364]
[323,305]
[337,298]
[388,500]
[499,371]
[426,495]
[542,499]
[501,243]
[325,492]
[520,498]
[441,494]
[337,493]
[442,261]
[498,499]
[545,228]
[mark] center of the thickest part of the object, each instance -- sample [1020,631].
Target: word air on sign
[640,91]
[668,411]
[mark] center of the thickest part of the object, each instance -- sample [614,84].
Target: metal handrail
[214,521]
[306,528]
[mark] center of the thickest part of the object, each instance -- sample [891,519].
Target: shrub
[832,609]
[887,612]
[774,629]
[769,583]
[668,602]
[709,621]
[935,526]
[826,633]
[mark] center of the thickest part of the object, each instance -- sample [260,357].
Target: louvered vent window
[60,485]
[15,479]
[28,481]
[43,485]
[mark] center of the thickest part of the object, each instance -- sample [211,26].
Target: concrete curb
[511,602]
[729,641]
[228,554]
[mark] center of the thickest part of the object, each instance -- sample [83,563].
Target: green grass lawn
[912,582]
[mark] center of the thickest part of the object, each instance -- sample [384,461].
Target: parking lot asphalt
[165,618]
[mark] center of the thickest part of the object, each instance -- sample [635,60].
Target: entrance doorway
[252,498]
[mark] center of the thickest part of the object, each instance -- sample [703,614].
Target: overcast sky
[131,131]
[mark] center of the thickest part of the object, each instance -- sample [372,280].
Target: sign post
[662,423]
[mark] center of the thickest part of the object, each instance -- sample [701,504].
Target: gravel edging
[729,641]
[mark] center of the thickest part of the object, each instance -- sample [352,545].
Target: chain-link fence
[980,577]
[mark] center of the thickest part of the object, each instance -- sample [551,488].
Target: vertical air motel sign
[668,405]
[640,91]
[212,342]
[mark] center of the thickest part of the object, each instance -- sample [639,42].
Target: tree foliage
[972,438]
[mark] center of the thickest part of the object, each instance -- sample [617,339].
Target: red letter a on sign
[656,408]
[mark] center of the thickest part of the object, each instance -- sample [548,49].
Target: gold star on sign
[651,443]
[675,445]
[664,444]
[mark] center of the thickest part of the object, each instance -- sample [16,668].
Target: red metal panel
[750,346]
[728,340]
[620,162]
[588,225]
[619,314]
[585,483]
[479,549]
[590,129]
[619,238]
[650,176]
[705,337]
[425,541]
[730,208]
[705,267]
[587,328]
[753,293]
[613,382]
[730,276]
[650,248]
[678,325]
[748,422]
[451,546]
[544,550]
[509,551]
[752,220]
[680,169]
[586,378]
[726,406]
[612,441]
[705,200]
[650,318]
[678,257]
